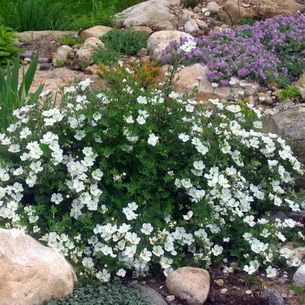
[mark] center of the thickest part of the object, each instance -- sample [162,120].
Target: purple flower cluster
[270,50]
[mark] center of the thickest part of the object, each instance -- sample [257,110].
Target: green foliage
[102,14]
[69,40]
[116,293]
[8,51]
[292,93]
[190,3]
[125,41]
[61,62]
[35,15]
[12,95]
[106,56]
[248,20]
[298,290]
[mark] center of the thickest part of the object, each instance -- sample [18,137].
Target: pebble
[223,291]
[219,282]
[45,66]
[248,291]
[170,298]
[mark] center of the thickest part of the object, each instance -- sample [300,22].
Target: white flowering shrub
[133,178]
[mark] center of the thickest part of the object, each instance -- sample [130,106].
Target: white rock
[158,41]
[30,272]
[152,12]
[189,284]
[299,277]
[191,26]
[62,54]
[213,7]
[89,47]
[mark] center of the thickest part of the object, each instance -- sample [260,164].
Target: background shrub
[125,41]
[8,51]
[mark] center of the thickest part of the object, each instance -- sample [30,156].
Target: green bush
[292,93]
[116,293]
[69,40]
[147,179]
[106,56]
[125,41]
[8,51]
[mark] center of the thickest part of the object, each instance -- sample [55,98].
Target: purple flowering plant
[270,50]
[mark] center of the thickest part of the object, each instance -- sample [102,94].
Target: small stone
[248,291]
[42,60]
[223,291]
[265,98]
[142,53]
[45,66]
[219,282]
[170,298]
[26,54]
[273,297]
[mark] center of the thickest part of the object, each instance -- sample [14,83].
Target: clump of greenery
[125,41]
[116,293]
[69,40]
[190,3]
[246,21]
[106,56]
[13,95]
[8,51]
[292,93]
[119,42]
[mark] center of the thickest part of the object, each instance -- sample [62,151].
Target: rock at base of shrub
[299,277]
[152,295]
[30,272]
[189,284]
[273,297]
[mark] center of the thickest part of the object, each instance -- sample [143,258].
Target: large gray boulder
[31,273]
[288,120]
[153,13]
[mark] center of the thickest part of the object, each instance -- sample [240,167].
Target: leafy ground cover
[270,50]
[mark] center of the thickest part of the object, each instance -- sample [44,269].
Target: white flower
[189,215]
[129,119]
[217,250]
[147,228]
[141,120]
[142,99]
[87,262]
[152,139]
[285,252]
[183,137]
[271,272]
[104,276]
[158,251]
[121,272]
